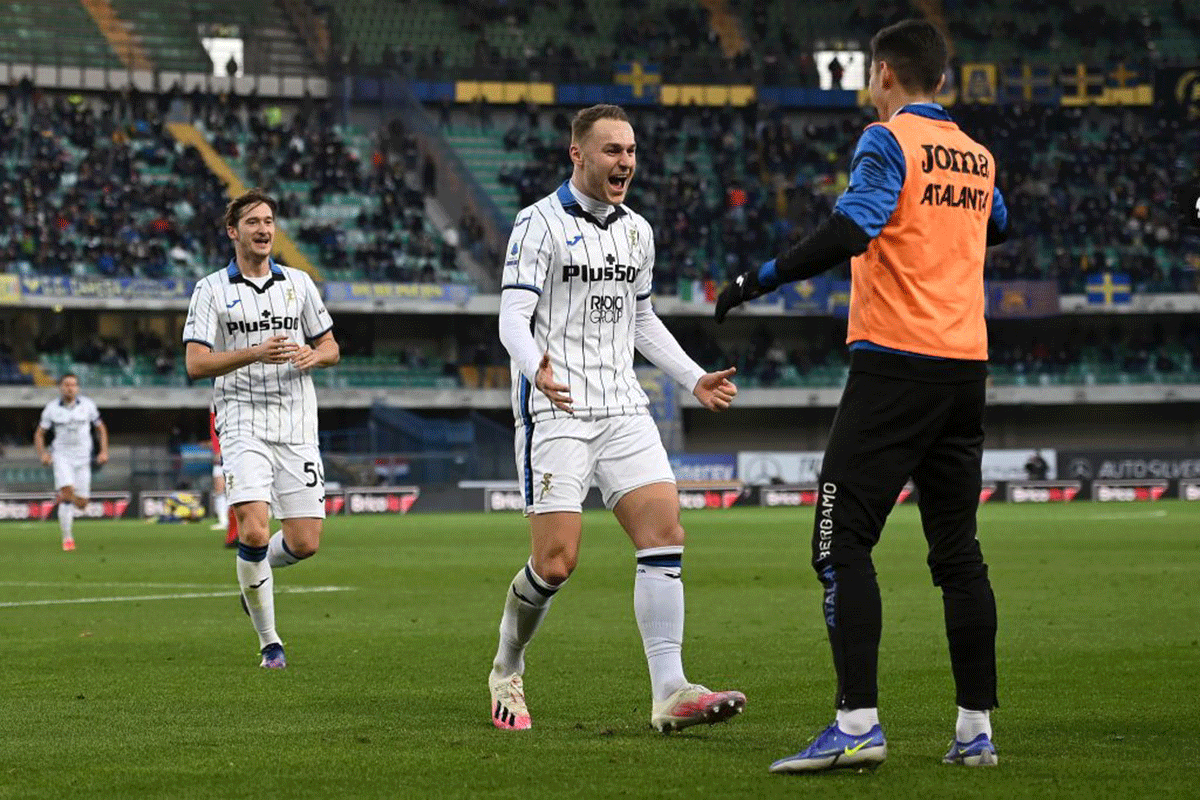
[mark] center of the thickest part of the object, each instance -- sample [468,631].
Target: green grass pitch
[386,693]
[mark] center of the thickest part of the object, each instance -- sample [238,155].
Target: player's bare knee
[669,534]
[555,567]
[304,548]
[558,570]
[253,531]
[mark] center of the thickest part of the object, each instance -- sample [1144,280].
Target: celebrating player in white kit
[575,303]
[258,328]
[71,417]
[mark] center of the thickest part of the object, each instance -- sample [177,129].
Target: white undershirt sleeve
[516,310]
[655,342]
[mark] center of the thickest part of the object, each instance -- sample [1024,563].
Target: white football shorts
[288,476]
[558,459]
[73,473]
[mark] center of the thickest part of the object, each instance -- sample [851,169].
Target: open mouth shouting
[617,183]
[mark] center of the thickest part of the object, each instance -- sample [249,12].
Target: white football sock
[220,506]
[972,723]
[66,515]
[658,607]
[278,554]
[254,576]
[858,721]
[526,605]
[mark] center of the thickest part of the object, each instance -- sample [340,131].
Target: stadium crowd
[306,162]
[100,187]
[1089,189]
[776,41]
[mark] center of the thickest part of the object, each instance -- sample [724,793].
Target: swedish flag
[637,82]
[1109,289]
[1030,84]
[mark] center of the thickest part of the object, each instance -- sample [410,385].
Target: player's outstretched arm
[324,352]
[876,177]
[202,362]
[834,241]
[715,391]
[652,339]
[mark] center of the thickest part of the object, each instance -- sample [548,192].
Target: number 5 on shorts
[316,471]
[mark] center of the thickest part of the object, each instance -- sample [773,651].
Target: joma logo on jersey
[954,160]
[608,272]
[606,308]
[267,323]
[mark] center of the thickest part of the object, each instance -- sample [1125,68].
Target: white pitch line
[1130,515]
[186,596]
[110,585]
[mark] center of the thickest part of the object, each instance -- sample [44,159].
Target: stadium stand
[721,187]
[52,32]
[1155,31]
[351,198]
[101,188]
[581,41]
[1090,191]
[169,32]
[725,189]
[115,194]
[537,41]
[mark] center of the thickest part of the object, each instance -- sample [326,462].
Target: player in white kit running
[258,328]
[575,303]
[71,417]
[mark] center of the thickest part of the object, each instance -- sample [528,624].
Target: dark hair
[915,50]
[66,375]
[587,117]
[249,199]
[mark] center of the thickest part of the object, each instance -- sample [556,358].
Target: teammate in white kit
[72,417]
[575,303]
[258,328]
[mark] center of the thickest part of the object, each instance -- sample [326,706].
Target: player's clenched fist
[276,350]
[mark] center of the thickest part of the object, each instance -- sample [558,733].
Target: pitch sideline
[177,596]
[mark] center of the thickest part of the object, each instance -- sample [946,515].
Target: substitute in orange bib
[919,213]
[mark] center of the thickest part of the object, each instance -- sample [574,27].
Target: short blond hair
[582,124]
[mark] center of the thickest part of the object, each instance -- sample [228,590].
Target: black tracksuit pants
[901,417]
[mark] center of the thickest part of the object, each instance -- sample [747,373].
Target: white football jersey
[271,402]
[72,426]
[588,275]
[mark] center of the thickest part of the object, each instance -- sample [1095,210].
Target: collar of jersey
[236,276]
[572,207]
[929,110]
